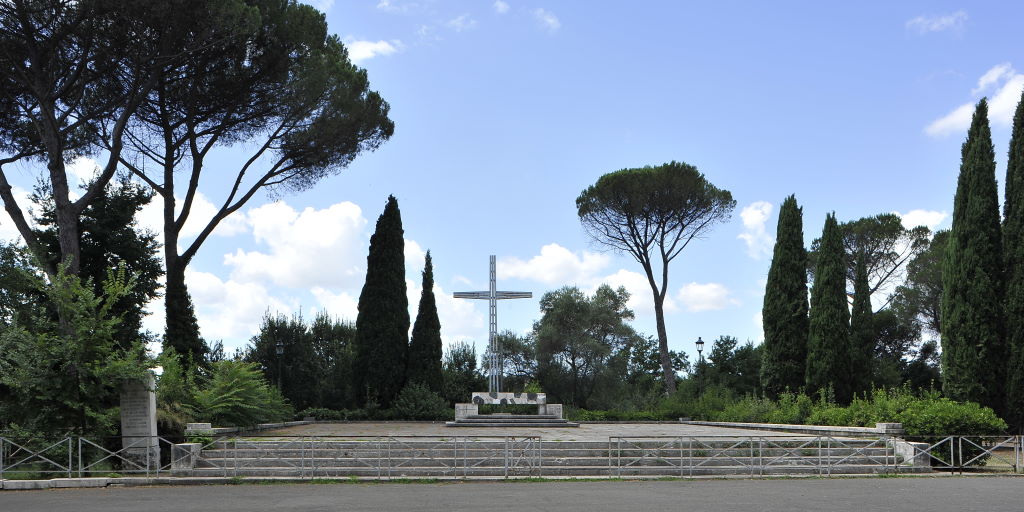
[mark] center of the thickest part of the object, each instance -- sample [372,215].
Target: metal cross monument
[493,296]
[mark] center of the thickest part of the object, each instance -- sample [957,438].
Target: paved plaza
[585,432]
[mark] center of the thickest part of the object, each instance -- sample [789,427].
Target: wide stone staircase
[528,456]
[512,420]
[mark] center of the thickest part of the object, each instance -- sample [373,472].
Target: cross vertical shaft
[492,295]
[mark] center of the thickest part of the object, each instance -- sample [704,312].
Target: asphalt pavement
[790,495]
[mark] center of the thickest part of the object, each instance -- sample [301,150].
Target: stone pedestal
[552,409]
[139,439]
[463,411]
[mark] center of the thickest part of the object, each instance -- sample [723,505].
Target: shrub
[237,395]
[416,402]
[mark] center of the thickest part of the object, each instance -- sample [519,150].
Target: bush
[236,395]
[416,402]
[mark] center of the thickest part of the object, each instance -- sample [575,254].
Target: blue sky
[506,110]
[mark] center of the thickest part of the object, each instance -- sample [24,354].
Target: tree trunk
[668,372]
[182,332]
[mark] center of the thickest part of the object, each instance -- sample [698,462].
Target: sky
[506,110]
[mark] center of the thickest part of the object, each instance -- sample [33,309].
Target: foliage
[578,339]
[862,332]
[74,75]
[882,244]
[785,306]
[382,325]
[175,395]
[517,359]
[65,375]
[1013,261]
[973,351]
[734,367]
[829,320]
[110,237]
[657,210]
[919,298]
[314,369]
[272,77]
[235,394]
[461,377]
[425,347]
[417,402]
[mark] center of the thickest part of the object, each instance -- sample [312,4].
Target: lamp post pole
[700,366]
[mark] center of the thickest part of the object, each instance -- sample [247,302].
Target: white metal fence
[388,457]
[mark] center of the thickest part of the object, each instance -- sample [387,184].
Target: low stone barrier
[883,429]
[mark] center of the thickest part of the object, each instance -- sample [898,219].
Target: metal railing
[389,457]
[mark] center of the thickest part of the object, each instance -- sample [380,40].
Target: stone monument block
[466,410]
[139,439]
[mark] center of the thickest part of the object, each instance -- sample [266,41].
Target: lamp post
[279,348]
[700,366]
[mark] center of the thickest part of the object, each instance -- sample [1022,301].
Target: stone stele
[139,442]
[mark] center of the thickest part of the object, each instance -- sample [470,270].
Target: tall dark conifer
[862,332]
[425,348]
[1013,251]
[785,306]
[828,350]
[973,350]
[382,324]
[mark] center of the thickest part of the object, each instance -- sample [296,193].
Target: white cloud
[641,297]
[755,216]
[1006,84]
[500,7]
[461,23]
[81,169]
[547,19]
[305,249]
[705,297]
[993,76]
[340,305]
[459,318]
[360,50]
[956,121]
[230,310]
[396,6]
[928,218]
[322,5]
[925,24]
[555,265]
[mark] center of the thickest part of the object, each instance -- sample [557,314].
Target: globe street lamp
[700,366]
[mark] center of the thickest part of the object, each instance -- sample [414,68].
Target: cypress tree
[1013,251]
[382,324]
[828,352]
[425,349]
[973,351]
[784,314]
[862,332]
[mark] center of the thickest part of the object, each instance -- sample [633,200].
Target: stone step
[501,424]
[488,442]
[561,471]
[499,461]
[511,416]
[547,452]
